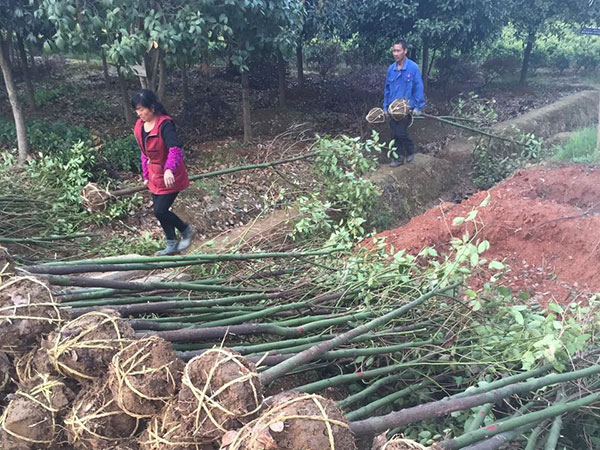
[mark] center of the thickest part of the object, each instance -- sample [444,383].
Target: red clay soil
[543,223]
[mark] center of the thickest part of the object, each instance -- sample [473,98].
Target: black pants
[167,218]
[403,144]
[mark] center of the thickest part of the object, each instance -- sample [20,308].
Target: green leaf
[458,221]
[496,265]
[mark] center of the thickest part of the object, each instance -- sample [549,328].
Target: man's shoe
[410,157]
[186,238]
[170,249]
[397,162]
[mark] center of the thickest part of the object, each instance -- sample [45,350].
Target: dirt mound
[95,420]
[544,223]
[295,421]
[221,391]
[84,347]
[27,312]
[32,415]
[144,376]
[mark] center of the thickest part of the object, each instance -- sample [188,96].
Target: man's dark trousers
[403,144]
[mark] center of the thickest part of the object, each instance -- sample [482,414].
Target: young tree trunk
[598,136]
[105,70]
[527,57]
[246,108]
[162,77]
[125,98]
[425,64]
[11,90]
[28,84]
[153,75]
[185,82]
[431,61]
[300,64]
[281,79]
[32,60]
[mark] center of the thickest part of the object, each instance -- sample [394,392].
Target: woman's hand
[145,182]
[169,178]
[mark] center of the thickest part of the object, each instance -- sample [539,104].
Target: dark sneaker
[397,162]
[410,157]
[186,238]
[170,249]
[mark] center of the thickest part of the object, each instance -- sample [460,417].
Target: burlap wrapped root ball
[95,421]
[28,311]
[295,421]
[83,348]
[220,391]
[94,198]
[171,431]
[144,376]
[31,419]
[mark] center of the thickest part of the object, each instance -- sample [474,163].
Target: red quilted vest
[156,151]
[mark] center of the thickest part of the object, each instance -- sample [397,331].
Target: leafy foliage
[123,154]
[580,148]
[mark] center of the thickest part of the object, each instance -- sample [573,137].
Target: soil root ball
[33,363]
[399,444]
[171,431]
[84,347]
[144,376]
[220,392]
[96,421]
[295,421]
[31,419]
[5,371]
[27,312]
[94,198]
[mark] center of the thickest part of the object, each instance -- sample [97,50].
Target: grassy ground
[580,148]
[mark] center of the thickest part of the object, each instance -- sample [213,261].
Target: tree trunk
[105,70]
[431,61]
[246,108]
[162,76]
[281,79]
[598,136]
[23,147]
[125,98]
[527,57]
[26,73]
[153,75]
[185,82]
[32,60]
[300,64]
[425,64]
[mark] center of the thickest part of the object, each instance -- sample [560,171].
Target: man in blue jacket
[403,80]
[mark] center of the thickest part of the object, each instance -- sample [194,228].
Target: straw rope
[94,198]
[208,403]
[126,370]
[407,444]
[262,421]
[375,115]
[72,343]
[89,418]
[52,303]
[43,390]
[399,109]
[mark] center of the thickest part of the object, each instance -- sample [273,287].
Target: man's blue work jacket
[404,83]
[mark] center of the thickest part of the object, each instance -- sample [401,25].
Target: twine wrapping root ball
[31,417]
[96,421]
[220,391]
[27,312]
[170,431]
[84,347]
[94,198]
[295,421]
[399,109]
[144,376]
[376,115]
[33,363]
[397,443]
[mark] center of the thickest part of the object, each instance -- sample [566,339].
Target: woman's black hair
[148,99]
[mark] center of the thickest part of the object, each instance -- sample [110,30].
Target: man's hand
[416,112]
[169,178]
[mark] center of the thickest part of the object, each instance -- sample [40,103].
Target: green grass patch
[580,148]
